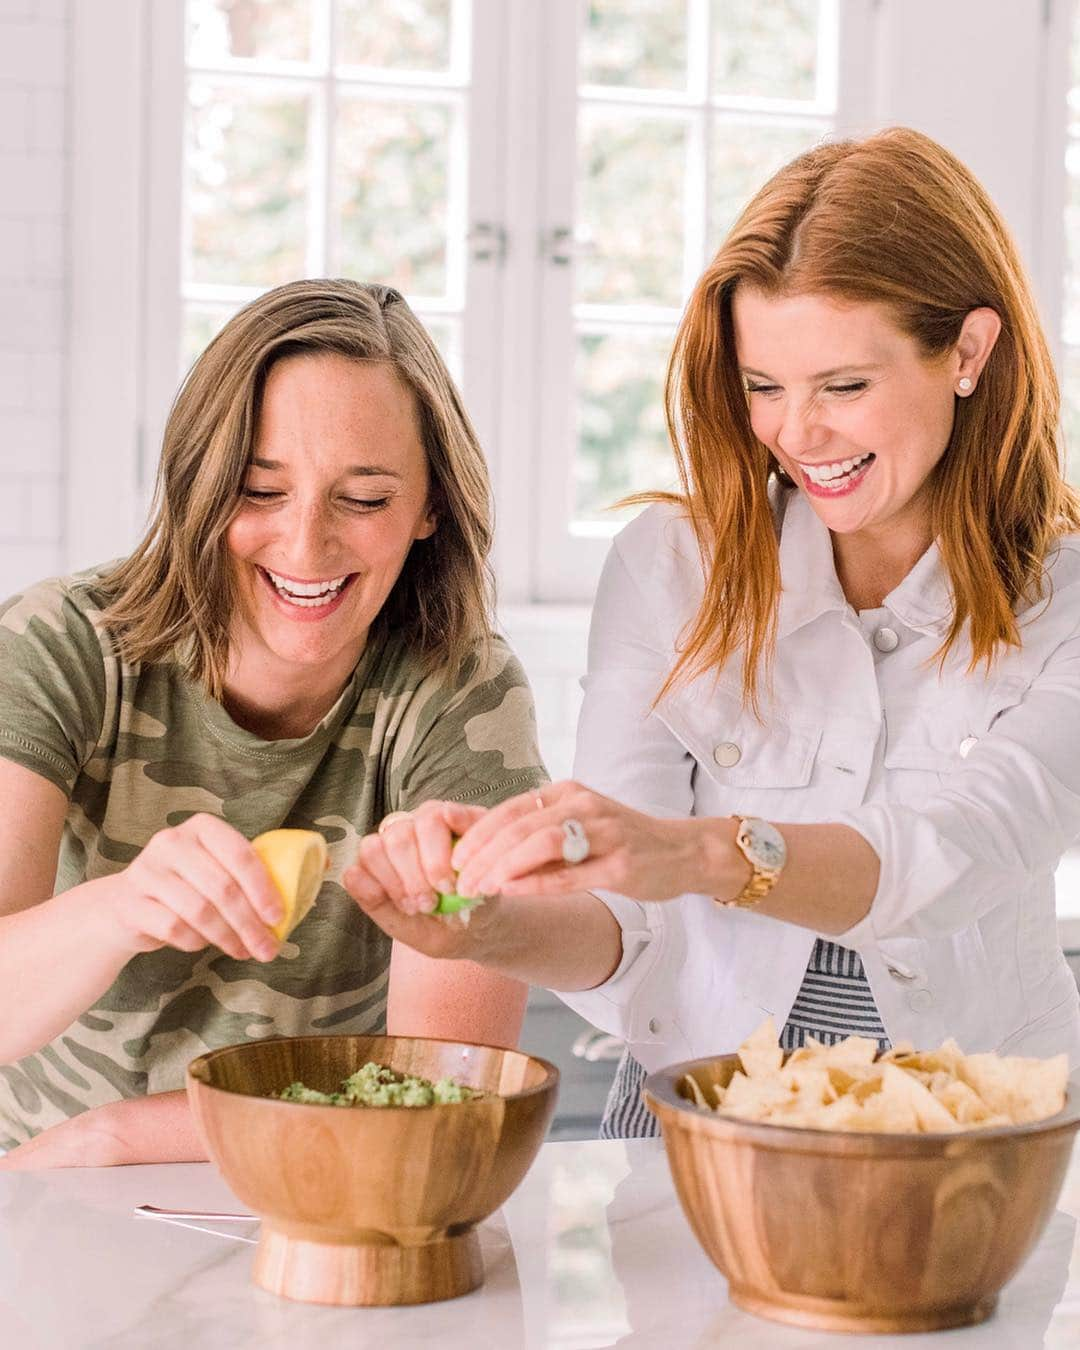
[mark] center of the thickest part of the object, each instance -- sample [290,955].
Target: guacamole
[376,1085]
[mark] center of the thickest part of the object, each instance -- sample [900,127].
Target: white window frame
[566,558]
[127,92]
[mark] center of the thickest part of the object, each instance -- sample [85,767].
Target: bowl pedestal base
[829,1315]
[367,1274]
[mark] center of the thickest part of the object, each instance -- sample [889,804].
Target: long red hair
[894,219]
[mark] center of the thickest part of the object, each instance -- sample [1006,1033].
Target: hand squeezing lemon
[297,862]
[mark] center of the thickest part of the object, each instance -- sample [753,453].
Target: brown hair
[897,220]
[174,595]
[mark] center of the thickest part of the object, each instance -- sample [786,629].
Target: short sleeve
[473,741]
[52,683]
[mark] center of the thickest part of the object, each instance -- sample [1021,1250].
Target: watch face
[765,844]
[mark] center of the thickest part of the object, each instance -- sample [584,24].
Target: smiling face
[849,405]
[336,493]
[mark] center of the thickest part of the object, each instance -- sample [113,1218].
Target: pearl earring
[965,385]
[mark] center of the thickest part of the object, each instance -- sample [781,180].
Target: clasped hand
[516,849]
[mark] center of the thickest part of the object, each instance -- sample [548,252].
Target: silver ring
[392,819]
[538,802]
[575,844]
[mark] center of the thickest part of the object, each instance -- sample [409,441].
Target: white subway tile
[49,258]
[15,115]
[47,371]
[30,442]
[35,49]
[12,11]
[44,508]
[16,257]
[22,564]
[52,11]
[14,505]
[35,184]
[15,389]
[30,509]
[48,121]
[34,317]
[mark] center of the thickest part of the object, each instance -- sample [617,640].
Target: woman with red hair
[833,700]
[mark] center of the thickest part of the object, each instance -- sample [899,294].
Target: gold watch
[763,847]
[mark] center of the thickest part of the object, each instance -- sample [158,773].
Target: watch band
[759,885]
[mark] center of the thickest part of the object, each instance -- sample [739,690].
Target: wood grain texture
[370,1205]
[860,1232]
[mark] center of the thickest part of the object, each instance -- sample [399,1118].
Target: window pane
[1070,412]
[446,334]
[622,435]
[396,34]
[1070,368]
[392,161]
[765,50]
[640,43]
[262,30]
[246,185]
[631,171]
[201,323]
[744,156]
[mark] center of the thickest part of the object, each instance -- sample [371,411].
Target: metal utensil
[153,1212]
[185,1218]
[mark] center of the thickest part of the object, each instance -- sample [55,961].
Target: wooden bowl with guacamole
[365,1204]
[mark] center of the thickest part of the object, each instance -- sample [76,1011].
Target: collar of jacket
[922,601]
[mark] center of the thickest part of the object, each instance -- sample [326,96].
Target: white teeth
[825,473]
[309,589]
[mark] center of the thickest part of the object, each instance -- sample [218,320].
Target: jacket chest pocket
[742,764]
[927,741]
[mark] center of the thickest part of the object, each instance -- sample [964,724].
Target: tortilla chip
[932,1116]
[848,1087]
[760,1054]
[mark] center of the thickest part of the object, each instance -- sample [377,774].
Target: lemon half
[297,861]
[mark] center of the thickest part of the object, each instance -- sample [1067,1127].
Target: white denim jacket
[967,786]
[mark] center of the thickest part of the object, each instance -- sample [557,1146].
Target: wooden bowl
[859,1232]
[369,1205]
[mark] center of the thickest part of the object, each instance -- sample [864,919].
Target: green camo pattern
[140,747]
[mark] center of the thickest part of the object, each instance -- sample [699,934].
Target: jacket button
[886,640]
[922,1000]
[726,754]
[967,745]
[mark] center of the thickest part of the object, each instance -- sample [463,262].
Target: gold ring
[392,819]
[539,802]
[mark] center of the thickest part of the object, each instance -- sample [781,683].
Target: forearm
[567,942]
[155,1129]
[453,1000]
[56,960]
[828,883]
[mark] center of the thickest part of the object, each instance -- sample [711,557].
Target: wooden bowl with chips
[370,1205]
[869,1231]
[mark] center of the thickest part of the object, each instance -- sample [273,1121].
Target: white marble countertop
[592,1250]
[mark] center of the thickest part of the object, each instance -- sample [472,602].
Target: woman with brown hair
[303,639]
[833,700]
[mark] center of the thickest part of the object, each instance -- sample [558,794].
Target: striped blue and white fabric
[833,1001]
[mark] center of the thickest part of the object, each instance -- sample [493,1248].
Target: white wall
[33,286]
[967,71]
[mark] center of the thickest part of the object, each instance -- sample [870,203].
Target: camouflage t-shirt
[140,747]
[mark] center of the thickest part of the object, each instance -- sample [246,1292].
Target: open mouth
[834,480]
[315,597]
